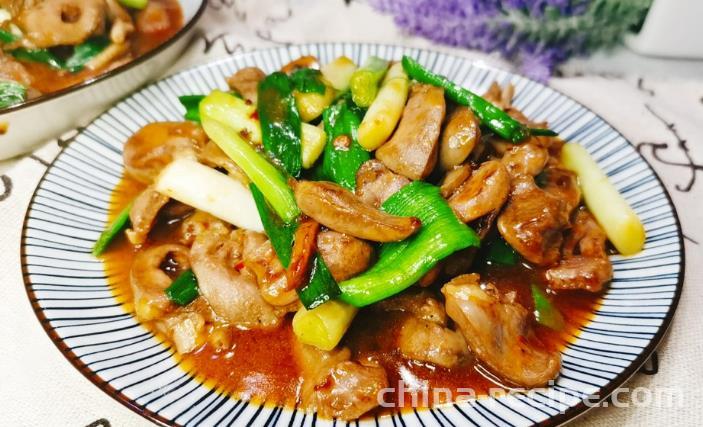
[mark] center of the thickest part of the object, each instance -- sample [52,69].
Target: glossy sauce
[46,79]
[261,365]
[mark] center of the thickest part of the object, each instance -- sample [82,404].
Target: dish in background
[73,100]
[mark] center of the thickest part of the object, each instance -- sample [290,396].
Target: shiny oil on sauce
[261,366]
[46,79]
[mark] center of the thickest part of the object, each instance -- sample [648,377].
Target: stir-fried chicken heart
[375,183]
[453,180]
[336,387]
[246,81]
[339,209]
[233,295]
[148,279]
[344,255]
[562,183]
[145,208]
[460,135]
[412,150]
[497,331]
[532,222]
[585,265]
[525,159]
[580,272]
[424,335]
[484,192]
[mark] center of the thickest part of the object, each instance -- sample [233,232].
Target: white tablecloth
[661,113]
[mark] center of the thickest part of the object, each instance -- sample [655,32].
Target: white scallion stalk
[621,224]
[325,325]
[210,191]
[385,111]
[313,140]
[339,72]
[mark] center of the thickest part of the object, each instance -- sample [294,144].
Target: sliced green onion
[85,52]
[321,288]
[501,253]
[280,121]
[400,264]
[308,80]
[7,36]
[184,289]
[365,81]
[134,4]
[279,233]
[11,93]
[192,106]
[543,132]
[43,56]
[112,231]
[340,163]
[545,313]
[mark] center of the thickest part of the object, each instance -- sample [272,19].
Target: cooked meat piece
[153,18]
[143,214]
[424,335]
[431,276]
[503,98]
[500,97]
[339,209]
[345,256]
[532,222]
[460,136]
[304,245]
[196,224]
[122,25]
[185,328]
[233,295]
[562,183]
[412,150]
[580,272]
[336,387]
[525,159]
[453,180]
[484,192]
[149,278]
[156,145]
[497,331]
[586,236]
[585,265]
[175,210]
[375,183]
[260,258]
[246,82]
[421,305]
[431,342]
[10,69]
[459,262]
[213,156]
[62,22]
[307,61]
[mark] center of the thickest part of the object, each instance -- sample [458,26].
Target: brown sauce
[261,365]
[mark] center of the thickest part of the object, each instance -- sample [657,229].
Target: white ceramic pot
[36,121]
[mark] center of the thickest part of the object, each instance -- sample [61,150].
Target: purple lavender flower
[537,35]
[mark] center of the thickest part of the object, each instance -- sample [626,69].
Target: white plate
[48,116]
[70,293]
